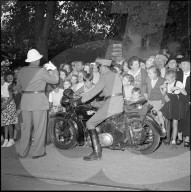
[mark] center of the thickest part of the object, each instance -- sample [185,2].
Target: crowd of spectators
[161,79]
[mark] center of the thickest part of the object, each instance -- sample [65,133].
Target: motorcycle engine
[136,131]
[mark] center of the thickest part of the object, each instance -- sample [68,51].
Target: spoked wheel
[63,136]
[145,136]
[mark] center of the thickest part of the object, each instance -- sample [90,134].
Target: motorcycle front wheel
[150,138]
[63,138]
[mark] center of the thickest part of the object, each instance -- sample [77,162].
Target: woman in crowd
[17,98]
[125,67]
[152,91]
[139,74]
[68,68]
[184,124]
[8,113]
[63,75]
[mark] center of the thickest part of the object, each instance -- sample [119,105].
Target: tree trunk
[42,25]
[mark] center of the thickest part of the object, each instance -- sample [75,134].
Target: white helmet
[33,55]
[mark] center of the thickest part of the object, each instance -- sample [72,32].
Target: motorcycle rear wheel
[63,140]
[148,147]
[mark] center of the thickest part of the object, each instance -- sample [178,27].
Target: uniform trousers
[106,109]
[39,120]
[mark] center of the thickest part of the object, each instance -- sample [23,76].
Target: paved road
[165,169]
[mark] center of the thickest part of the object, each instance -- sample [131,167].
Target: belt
[42,91]
[113,95]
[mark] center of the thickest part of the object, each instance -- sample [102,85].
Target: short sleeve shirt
[4,90]
[55,98]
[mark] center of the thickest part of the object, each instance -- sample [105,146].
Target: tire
[152,145]
[69,131]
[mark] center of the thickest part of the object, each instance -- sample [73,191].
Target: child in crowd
[66,84]
[127,81]
[74,81]
[87,68]
[88,85]
[152,92]
[9,77]
[172,109]
[132,105]
[88,82]
[8,113]
[54,99]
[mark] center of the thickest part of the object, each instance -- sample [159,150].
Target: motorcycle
[138,133]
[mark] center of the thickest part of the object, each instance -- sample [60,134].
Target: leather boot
[97,150]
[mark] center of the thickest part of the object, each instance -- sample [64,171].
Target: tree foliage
[144,17]
[60,25]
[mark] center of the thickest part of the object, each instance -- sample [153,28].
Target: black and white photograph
[95,95]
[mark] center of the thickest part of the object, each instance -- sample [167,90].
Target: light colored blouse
[4,90]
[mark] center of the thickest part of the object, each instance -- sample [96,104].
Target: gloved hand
[50,66]
[78,101]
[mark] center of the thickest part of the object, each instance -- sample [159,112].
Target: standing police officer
[34,103]
[111,86]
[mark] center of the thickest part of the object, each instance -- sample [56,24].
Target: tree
[154,22]
[144,18]
[55,25]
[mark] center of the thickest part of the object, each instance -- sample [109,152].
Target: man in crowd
[111,87]
[34,103]
[184,124]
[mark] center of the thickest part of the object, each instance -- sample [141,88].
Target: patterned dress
[8,114]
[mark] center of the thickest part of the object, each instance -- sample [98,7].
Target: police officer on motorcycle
[110,86]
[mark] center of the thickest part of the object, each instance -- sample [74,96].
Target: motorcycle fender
[73,120]
[58,114]
[152,120]
[156,125]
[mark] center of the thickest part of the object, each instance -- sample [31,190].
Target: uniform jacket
[34,78]
[109,83]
